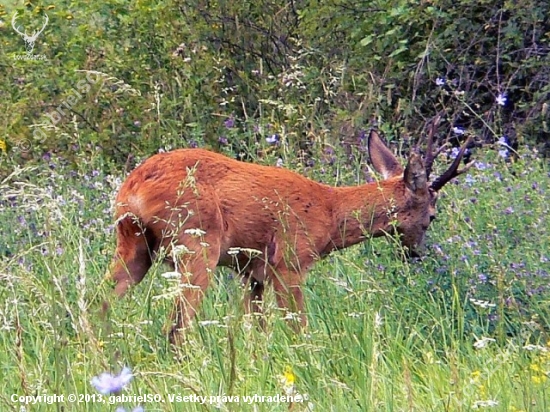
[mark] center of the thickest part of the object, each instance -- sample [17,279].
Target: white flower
[531,347]
[107,384]
[209,322]
[484,404]
[503,141]
[482,303]
[458,130]
[481,343]
[195,232]
[501,99]
[440,81]
[171,275]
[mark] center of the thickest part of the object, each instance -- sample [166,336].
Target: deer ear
[382,158]
[415,173]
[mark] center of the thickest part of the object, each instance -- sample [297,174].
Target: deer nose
[432,218]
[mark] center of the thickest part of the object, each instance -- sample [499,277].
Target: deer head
[416,203]
[29,39]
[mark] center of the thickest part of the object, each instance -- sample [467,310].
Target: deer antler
[13,19]
[47,19]
[453,171]
[430,155]
[35,33]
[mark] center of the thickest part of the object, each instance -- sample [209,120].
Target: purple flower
[229,123]
[480,165]
[454,152]
[503,140]
[223,140]
[509,210]
[458,130]
[503,153]
[136,409]
[440,81]
[273,139]
[107,384]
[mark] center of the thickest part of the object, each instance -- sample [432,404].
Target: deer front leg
[195,278]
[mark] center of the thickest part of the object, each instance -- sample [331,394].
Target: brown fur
[292,220]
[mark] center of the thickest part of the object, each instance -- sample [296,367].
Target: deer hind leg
[288,292]
[196,270]
[132,258]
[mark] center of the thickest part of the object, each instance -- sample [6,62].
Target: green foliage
[173,71]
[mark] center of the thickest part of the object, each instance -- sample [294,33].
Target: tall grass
[464,328]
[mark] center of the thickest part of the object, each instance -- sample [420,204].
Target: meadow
[100,86]
[464,328]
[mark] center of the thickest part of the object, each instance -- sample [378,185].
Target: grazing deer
[209,206]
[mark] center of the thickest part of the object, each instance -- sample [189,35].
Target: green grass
[383,335]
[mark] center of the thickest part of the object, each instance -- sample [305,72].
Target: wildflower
[501,99]
[273,139]
[223,140]
[209,322]
[538,379]
[454,153]
[171,275]
[483,342]
[287,380]
[440,81]
[503,153]
[107,384]
[474,377]
[279,162]
[136,409]
[531,347]
[458,130]
[229,123]
[484,404]
[481,166]
[3,146]
[194,232]
[482,303]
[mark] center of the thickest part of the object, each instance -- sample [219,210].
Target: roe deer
[208,205]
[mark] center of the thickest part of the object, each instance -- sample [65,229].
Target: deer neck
[365,211]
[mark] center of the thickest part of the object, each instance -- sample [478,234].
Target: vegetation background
[293,83]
